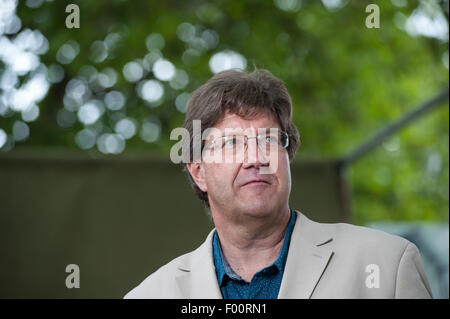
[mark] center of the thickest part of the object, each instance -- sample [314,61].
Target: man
[260,247]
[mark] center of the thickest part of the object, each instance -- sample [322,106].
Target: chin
[257,208]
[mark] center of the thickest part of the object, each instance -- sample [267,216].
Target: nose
[254,156]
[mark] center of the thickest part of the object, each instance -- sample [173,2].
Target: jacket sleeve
[411,280]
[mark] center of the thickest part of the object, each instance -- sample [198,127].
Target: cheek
[220,176]
[284,171]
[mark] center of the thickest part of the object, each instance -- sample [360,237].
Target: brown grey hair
[245,94]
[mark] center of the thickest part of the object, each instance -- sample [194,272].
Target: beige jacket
[324,261]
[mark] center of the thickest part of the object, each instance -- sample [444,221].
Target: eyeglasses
[237,143]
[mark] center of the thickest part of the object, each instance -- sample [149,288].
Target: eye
[229,141]
[271,139]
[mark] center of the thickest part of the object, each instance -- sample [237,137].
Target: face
[238,188]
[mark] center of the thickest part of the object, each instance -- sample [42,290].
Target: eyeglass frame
[246,138]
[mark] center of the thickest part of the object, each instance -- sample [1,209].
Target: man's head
[249,103]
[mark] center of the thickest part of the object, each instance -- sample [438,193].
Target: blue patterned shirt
[265,284]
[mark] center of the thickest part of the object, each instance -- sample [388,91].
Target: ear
[197,172]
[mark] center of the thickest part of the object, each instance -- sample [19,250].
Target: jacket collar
[307,260]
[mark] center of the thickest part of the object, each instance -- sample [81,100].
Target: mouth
[255,182]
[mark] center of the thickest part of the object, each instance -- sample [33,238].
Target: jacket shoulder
[361,252]
[352,239]
[369,236]
[161,283]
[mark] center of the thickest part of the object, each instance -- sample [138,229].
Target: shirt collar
[223,267]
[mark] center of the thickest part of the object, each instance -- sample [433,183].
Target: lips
[256,181]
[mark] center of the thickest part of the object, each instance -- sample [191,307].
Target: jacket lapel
[197,278]
[307,260]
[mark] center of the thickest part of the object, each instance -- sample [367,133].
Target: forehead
[236,122]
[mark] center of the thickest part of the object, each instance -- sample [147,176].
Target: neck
[251,243]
